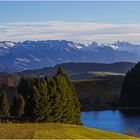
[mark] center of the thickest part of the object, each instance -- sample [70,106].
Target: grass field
[107,73]
[54,131]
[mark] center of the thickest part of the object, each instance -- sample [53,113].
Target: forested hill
[73,68]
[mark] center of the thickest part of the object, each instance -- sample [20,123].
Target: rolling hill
[82,70]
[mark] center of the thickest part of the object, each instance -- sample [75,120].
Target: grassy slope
[98,92]
[53,131]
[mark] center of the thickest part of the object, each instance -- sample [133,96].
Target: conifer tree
[24,87]
[52,100]
[4,106]
[35,109]
[44,104]
[70,104]
[17,107]
[51,115]
[36,101]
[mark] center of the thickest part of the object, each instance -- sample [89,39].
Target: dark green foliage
[17,107]
[54,101]
[4,106]
[36,99]
[70,103]
[24,87]
[50,100]
[130,92]
[36,113]
[39,99]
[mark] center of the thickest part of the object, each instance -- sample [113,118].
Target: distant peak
[122,43]
[94,43]
[7,44]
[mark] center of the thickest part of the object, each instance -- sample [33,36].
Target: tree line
[43,99]
[130,91]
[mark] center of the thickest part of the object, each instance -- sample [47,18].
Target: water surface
[116,121]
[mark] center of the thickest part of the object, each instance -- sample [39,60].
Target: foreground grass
[54,131]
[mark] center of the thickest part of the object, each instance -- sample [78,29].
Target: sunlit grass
[108,73]
[54,131]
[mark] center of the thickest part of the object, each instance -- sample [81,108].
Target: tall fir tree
[70,103]
[52,100]
[17,107]
[44,104]
[4,105]
[36,101]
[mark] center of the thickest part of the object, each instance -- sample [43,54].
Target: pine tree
[70,105]
[44,104]
[55,99]
[35,109]
[17,108]
[4,106]
[75,101]
[52,101]
[36,102]
[24,87]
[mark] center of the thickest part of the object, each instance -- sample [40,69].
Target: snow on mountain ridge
[64,43]
[111,46]
[36,54]
[7,44]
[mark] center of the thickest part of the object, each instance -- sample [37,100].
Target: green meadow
[54,131]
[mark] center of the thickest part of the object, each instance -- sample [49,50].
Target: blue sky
[78,21]
[100,12]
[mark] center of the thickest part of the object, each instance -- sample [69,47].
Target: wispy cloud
[76,31]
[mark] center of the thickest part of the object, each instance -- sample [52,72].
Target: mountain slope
[18,56]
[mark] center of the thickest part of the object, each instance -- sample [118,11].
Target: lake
[116,121]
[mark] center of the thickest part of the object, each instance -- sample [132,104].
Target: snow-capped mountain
[18,56]
[7,44]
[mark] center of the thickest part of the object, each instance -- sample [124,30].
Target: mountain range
[19,56]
